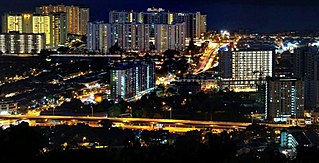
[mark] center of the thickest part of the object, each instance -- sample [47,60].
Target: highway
[206,60]
[173,125]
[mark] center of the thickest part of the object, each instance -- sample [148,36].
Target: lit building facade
[285,99]
[84,19]
[8,107]
[203,24]
[305,67]
[48,9]
[130,80]
[26,23]
[54,26]
[125,17]
[170,37]
[98,37]
[59,29]
[42,24]
[249,68]
[21,43]
[73,14]
[11,23]
[131,37]
[225,64]
[77,17]
[195,22]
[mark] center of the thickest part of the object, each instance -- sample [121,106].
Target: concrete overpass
[172,125]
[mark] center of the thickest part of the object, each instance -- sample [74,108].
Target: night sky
[257,15]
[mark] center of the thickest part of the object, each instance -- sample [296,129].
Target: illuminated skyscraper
[43,24]
[84,19]
[52,25]
[11,22]
[305,65]
[131,37]
[203,24]
[26,22]
[285,99]
[170,37]
[250,68]
[195,22]
[59,29]
[125,17]
[77,18]
[48,9]
[130,80]
[73,15]
[98,37]
[225,64]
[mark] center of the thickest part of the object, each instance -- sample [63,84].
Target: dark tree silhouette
[115,49]
[20,143]
[63,49]
[44,53]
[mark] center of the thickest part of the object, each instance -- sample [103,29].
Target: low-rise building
[8,107]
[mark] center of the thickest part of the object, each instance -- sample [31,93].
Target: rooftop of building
[256,48]
[6,102]
[126,64]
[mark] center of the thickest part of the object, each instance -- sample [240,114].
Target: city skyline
[159,81]
[270,16]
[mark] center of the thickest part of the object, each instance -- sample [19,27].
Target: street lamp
[252,117]
[170,113]
[91,109]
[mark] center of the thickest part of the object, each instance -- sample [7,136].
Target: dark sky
[258,15]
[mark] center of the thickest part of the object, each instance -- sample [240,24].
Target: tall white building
[170,36]
[249,67]
[98,37]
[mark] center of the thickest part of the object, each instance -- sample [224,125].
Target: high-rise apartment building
[11,22]
[203,24]
[250,67]
[130,80]
[195,22]
[21,43]
[131,37]
[84,19]
[73,14]
[59,29]
[48,9]
[98,37]
[170,37]
[125,17]
[77,17]
[43,24]
[225,64]
[285,99]
[305,67]
[27,23]
[54,26]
